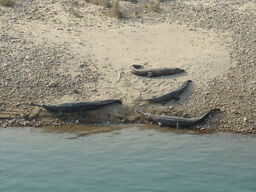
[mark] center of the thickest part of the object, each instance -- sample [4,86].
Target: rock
[75,91]
[234,111]
[53,84]
[185,115]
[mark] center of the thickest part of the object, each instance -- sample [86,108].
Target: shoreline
[56,61]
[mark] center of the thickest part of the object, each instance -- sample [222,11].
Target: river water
[130,159]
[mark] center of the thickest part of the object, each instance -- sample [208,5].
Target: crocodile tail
[143,100]
[184,85]
[140,111]
[208,113]
[106,102]
[118,101]
[137,66]
[38,105]
[147,115]
[188,81]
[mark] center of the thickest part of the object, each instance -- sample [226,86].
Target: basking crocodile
[169,96]
[80,107]
[154,72]
[178,122]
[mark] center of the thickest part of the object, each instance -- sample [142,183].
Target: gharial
[176,122]
[77,107]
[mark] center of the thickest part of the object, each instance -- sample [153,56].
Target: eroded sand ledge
[50,56]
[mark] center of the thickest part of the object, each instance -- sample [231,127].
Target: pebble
[234,111]
[53,84]
[76,91]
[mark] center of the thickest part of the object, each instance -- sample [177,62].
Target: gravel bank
[234,92]
[47,69]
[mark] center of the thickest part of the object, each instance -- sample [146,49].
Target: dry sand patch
[204,55]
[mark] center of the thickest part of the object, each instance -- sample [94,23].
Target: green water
[126,160]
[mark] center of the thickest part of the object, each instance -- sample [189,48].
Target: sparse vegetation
[154,6]
[107,4]
[73,3]
[7,3]
[115,10]
[132,1]
[138,14]
[76,13]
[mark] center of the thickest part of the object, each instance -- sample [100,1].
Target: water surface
[126,160]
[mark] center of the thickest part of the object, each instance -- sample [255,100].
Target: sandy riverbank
[58,51]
